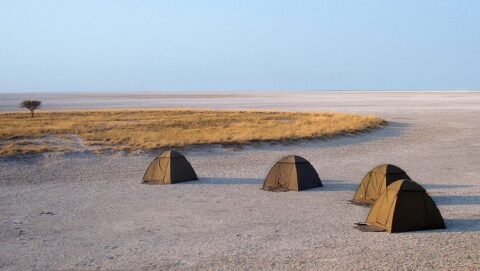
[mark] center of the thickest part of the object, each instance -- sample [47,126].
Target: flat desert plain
[81,211]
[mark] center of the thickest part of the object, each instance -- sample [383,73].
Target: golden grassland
[131,129]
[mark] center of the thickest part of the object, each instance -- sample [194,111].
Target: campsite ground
[81,211]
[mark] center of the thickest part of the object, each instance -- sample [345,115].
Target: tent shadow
[328,185]
[462,225]
[334,185]
[445,186]
[456,200]
[233,181]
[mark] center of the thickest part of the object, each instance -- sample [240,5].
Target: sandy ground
[79,211]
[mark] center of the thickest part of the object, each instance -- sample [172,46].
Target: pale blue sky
[103,45]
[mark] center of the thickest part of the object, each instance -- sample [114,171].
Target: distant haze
[239,45]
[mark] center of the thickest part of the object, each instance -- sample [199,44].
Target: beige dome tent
[403,206]
[376,181]
[170,167]
[292,173]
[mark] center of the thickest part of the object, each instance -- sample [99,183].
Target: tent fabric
[168,168]
[376,181]
[292,173]
[404,206]
[293,159]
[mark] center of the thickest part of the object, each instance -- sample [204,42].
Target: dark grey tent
[168,168]
[403,206]
[376,181]
[292,173]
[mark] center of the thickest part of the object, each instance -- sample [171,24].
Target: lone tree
[30,105]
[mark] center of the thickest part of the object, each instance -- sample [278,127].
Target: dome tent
[403,206]
[292,173]
[168,168]
[376,181]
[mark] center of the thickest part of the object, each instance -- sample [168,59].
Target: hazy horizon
[165,46]
[93,92]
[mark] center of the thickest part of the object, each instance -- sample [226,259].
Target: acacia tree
[30,105]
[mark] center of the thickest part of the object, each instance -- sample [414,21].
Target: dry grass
[150,129]
[23,149]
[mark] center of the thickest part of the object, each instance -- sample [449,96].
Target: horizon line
[230,91]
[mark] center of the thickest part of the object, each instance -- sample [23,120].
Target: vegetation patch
[150,129]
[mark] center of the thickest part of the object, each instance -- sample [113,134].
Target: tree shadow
[456,200]
[462,225]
